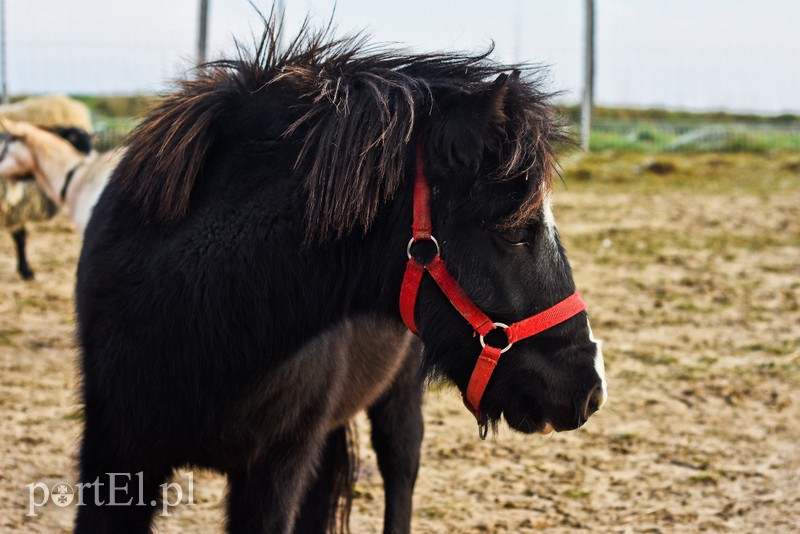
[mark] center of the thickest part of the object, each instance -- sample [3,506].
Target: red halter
[489,356]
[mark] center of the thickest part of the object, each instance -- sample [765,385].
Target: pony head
[489,160]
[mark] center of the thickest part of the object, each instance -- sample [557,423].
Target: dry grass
[690,266]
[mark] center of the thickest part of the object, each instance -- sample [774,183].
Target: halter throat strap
[480,322]
[67,181]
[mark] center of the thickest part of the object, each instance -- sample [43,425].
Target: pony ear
[497,100]
[471,124]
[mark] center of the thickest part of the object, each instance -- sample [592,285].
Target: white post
[588,75]
[517,32]
[202,32]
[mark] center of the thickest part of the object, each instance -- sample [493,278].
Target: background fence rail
[694,136]
[632,136]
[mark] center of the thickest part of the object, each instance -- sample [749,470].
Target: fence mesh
[633,136]
[694,136]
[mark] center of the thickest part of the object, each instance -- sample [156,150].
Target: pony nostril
[593,402]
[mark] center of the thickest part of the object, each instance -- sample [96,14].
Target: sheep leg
[23,268]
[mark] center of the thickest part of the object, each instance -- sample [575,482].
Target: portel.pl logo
[63,494]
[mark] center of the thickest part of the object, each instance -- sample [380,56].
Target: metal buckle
[414,240]
[504,327]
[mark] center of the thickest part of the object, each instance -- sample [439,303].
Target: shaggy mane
[360,105]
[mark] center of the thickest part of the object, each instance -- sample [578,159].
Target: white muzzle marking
[599,364]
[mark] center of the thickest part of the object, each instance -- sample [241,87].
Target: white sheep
[67,176]
[23,200]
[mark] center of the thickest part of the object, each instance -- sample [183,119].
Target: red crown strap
[421,227]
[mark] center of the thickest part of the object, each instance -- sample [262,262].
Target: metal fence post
[588,75]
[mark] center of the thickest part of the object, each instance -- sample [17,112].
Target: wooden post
[202,32]
[588,76]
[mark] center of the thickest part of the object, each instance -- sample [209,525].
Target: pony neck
[53,159]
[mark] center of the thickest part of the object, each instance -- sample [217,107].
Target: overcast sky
[738,55]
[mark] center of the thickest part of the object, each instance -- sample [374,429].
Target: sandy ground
[694,287]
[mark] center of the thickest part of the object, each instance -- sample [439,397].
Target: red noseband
[480,322]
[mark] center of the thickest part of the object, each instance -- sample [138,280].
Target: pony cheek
[450,345]
[517,394]
[441,358]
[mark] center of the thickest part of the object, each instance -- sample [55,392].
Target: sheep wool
[23,201]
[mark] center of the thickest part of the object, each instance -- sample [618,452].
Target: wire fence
[694,136]
[87,48]
[110,133]
[629,136]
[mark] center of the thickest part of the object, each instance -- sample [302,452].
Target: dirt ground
[691,269]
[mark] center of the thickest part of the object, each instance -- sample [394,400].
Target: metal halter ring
[504,327]
[413,240]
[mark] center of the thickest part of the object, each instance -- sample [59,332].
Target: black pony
[238,286]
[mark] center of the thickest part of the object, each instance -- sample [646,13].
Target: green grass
[705,479]
[6,334]
[660,137]
[576,493]
[781,348]
[573,113]
[649,243]
[654,130]
[714,173]
[117,107]
[112,131]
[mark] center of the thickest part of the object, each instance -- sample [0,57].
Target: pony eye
[517,237]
